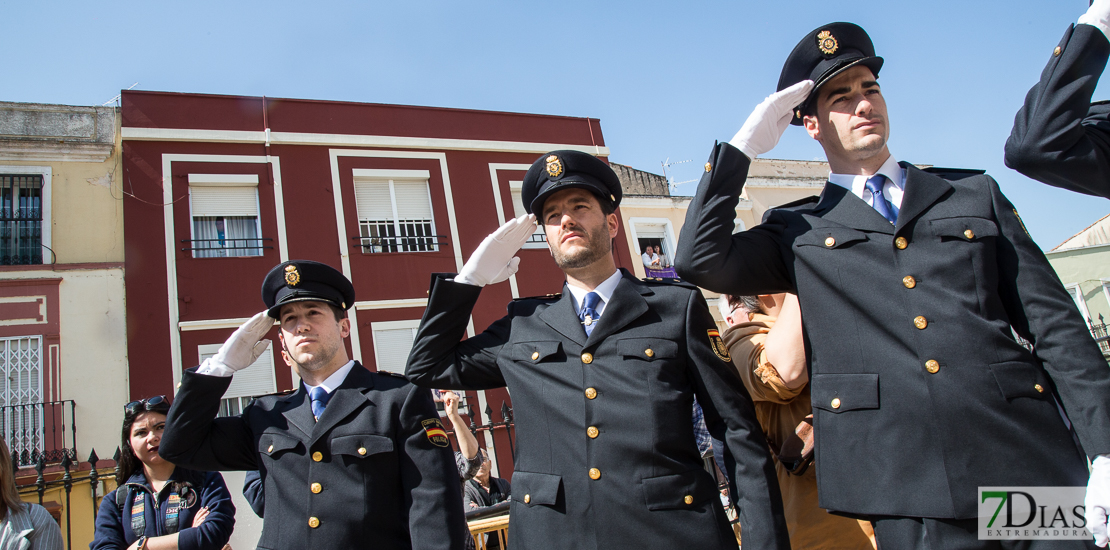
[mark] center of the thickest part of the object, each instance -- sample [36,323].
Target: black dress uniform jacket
[382,483]
[633,380]
[1059,137]
[920,392]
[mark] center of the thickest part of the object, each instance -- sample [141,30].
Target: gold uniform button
[830,242]
[901,243]
[591,393]
[909,281]
[527,499]
[535,355]
[1039,388]
[932,366]
[835,403]
[313,522]
[592,432]
[649,352]
[316,488]
[969,234]
[270,449]
[1056,52]
[688,499]
[709,167]
[362,451]
[317,456]
[920,322]
[587,358]
[595,473]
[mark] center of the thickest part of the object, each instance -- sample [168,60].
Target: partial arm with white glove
[495,259]
[241,349]
[1098,16]
[1097,501]
[764,127]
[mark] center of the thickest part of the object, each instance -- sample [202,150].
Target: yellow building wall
[81,519]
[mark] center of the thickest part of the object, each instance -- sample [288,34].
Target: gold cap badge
[554,166]
[292,276]
[826,42]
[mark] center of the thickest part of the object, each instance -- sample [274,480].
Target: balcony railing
[1100,333]
[40,430]
[226,248]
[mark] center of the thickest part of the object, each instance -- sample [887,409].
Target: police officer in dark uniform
[603,378]
[1059,136]
[909,286]
[353,459]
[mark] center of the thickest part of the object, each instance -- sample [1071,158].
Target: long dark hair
[9,494]
[128,462]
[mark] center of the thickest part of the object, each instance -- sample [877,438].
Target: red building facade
[220,189]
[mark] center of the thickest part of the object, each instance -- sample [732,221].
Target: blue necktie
[320,398]
[589,314]
[875,186]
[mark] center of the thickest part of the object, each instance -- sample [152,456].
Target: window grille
[20,219]
[21,367]
[538,236]
[395,215]
[225,221]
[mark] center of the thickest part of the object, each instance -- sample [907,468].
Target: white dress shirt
[893,189]
[335,380]
[604,291]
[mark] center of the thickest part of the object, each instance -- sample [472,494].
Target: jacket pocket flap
[830,237]
[530,488]
[1017,379]
[845,392]
[534,351]
[360,445]
[967,228]
[274,443]
[678,491]
[648,348]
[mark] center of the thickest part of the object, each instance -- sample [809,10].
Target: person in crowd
[603,378]
[484,490]
[23,525]
[764,338]
[909,285]
[649,258]
[467,458]
[252,492]
[158,505]
[352,459]
[1059,136]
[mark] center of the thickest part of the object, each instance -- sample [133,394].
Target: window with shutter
[392,344]
[255,380]
[394,211]
[225,215]
[538,238]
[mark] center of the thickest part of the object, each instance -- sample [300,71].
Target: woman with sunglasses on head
[157,505]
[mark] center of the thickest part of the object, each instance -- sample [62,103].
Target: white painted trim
[391,174]
[279,210]
[213,324]
[167,226]
[349,140]
[1081,303]
[47,222]
[391,304]
[499,204]
[235,180]
[668,234]
[391,325]
[25,320]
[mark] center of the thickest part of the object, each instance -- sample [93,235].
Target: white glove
[1097,502]
[494,260]
[241,349]
[1098,16]
[764,127]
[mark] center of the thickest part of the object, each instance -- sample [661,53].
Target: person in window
[157,505]
[23,526]
[663,261]
[649,257]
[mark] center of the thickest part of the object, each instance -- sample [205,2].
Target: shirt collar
[604,290]
[336,379]
[856,183]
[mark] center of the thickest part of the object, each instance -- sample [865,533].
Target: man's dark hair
[750,303]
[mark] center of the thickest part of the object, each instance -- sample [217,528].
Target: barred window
[395,214]
[539,236]
[20,219]
[225,216]
[21,403]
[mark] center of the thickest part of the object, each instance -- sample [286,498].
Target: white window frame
[225,180]
[738,226]
[47,224]
[375,327]
[668,235]
[263,370]
[539,236]
[1076,293]
[393,176]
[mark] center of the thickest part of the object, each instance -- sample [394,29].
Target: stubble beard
[594,251]
[317,361]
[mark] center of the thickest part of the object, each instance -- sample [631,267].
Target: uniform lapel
[347,398]
[562,317]
[839,205]
[625,305]
[298,412]
[922,190]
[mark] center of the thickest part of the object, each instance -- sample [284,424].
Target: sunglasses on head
[150,403]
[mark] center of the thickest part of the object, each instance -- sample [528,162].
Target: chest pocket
[648,349]
[274,445]
[360,446]
[536,352]
[830,237]
[964,229]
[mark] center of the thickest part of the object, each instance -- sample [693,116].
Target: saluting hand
[764,127]
[1098,16]
[1097,501]
[495,260]
[241,349]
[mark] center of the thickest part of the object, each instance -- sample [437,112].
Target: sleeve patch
[1022,223]
[433,428]
[718,345]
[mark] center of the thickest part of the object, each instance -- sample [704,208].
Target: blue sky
[665,78]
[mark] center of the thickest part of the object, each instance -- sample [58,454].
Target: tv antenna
[118,96]
[671,183]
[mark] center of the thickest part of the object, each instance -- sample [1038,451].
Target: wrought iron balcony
[34,431]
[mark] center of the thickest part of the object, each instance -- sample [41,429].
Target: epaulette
[669,281]
[555,296]
[953,174]
[277,394]
[1100,102]
[792,205]
[393,374]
